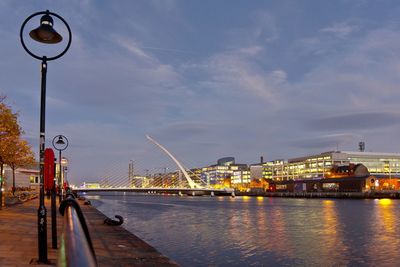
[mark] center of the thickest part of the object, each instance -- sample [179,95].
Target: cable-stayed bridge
[157,180]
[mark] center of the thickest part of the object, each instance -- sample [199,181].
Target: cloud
[340,30]
[328,41]
[127,83]
[234,74]
[251,50]
[262,30]
[132,47]
[170,6]
[267,30]
[184,130]
[359,77]
[326,142]
[360,121]
[278,76]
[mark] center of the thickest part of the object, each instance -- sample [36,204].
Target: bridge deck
[189,191]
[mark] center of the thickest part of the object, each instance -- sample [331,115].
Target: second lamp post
[60,143]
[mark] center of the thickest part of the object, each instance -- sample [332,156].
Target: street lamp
[46,34]
[60,143]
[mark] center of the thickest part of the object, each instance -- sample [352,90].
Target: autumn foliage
[14,151]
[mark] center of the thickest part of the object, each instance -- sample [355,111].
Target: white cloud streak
[340,30]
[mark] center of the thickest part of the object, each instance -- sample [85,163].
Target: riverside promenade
[113,245]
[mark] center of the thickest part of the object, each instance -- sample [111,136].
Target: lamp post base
[42,234]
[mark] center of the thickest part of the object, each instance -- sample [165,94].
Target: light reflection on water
[243,231]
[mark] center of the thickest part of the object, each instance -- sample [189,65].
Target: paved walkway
[114,246]
[18,234]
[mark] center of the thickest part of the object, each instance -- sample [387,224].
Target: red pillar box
[48,169]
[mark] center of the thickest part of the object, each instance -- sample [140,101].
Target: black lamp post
[60,143]
[46,34]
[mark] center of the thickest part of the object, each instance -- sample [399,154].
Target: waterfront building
[137,181]
[195,174]
[226,173]
[174,179]
[274,170]
[240,176]
[380,165]
[256,171]
[24,177]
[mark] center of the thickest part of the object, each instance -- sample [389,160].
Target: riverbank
[113,245]
[116,246]
[349,195]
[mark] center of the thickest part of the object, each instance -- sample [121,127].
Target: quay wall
[355,195]
[114,244]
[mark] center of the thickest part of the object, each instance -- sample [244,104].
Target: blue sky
[209,79]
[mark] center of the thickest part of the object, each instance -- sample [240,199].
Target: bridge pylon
[192,183]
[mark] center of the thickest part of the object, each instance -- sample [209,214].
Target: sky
[207,79]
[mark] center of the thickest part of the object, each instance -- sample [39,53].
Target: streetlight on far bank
[44,34]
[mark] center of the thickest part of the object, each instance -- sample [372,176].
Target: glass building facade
[226,174]
[320,165]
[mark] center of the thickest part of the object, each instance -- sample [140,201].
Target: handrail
[76,248]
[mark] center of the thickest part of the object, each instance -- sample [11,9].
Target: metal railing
[76,248]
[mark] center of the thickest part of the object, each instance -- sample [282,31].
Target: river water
[258,231]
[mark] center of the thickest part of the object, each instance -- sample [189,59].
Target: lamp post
[60,143]
[46,34]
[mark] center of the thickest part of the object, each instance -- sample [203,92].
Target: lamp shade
[60,141]
[45,33]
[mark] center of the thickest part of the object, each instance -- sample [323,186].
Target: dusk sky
[208,79]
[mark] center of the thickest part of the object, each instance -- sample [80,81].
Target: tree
[14,151]
[19,154]
[9,130]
